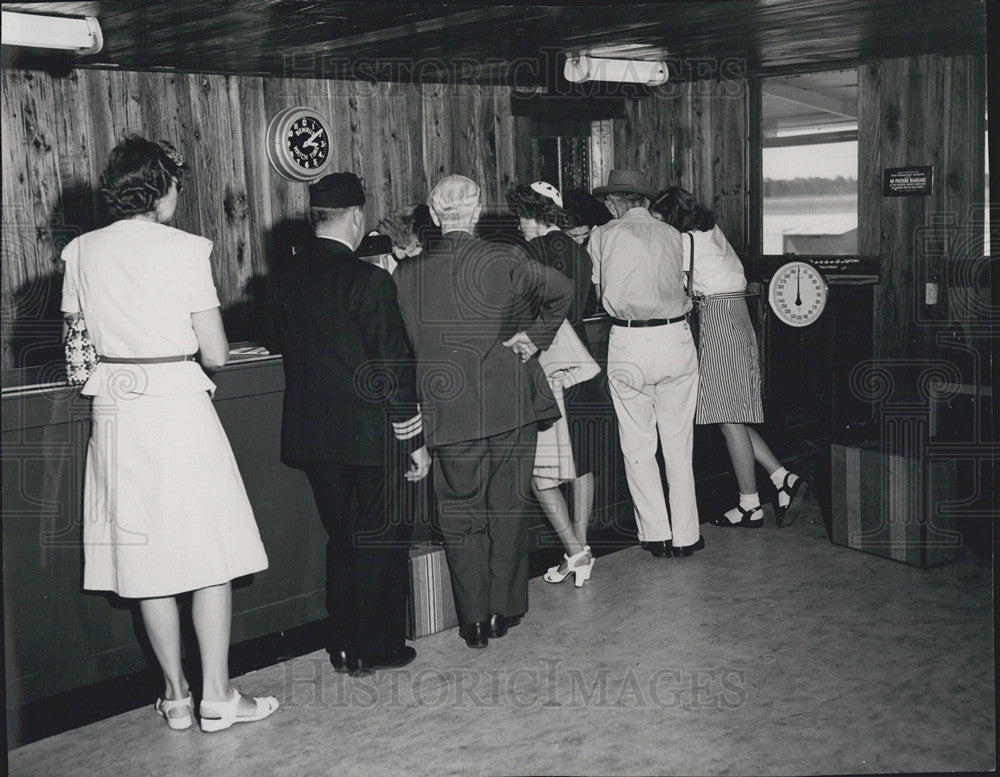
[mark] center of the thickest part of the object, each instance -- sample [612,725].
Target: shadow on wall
[32,317]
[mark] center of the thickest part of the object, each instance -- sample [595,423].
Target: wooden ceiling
[518,44]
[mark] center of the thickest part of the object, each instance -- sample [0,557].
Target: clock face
[308,143]
[798,293]
[298,144]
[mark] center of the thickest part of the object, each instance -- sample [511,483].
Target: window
[810,163]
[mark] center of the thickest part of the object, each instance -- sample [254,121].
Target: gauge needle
[311,140]
[798,287]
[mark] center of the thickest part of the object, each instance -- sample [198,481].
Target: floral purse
[81,356]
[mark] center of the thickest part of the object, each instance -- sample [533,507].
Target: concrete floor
[770,652]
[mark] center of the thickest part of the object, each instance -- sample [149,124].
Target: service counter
[59,637]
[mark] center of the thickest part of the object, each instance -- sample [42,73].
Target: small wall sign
[907,181]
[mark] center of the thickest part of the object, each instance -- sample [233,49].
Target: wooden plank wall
[926,110]
[57,133]
[692,135]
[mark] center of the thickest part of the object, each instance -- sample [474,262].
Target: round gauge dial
[798,293]
[298,144]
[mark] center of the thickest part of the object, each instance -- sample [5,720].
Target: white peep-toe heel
[220,715]
[164,707]
[580,572]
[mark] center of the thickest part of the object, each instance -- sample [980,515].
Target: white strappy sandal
[220,715]
[164,707]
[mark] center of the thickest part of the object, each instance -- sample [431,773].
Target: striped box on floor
[431,605]
[892,505]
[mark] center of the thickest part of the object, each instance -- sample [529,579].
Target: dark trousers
[483,493]
[367,574]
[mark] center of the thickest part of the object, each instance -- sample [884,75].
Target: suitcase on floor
[895,506]
[431,605]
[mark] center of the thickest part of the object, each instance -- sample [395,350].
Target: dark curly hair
[526,203]
[138,174]
[680,210]
[584,210]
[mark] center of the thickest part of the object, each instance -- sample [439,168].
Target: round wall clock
[298,144]
[797,293]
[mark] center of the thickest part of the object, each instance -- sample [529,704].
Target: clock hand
[798,287]
[311,140]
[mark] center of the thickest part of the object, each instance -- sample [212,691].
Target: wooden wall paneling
[523,150]
[870,206]
[676,109]
[208,181]
[886,304]
[468,141]
[38,327]
[506,141]
[249,98]
[80,169]
[729,163]
[242,239]
[488,145]
[394,122]
[337,112]
[701,170]
[367,150]
[19,244]
[437,134]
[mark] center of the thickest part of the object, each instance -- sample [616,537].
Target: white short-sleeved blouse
[137,283]
[717,268]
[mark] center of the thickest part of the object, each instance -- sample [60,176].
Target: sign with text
[907,181]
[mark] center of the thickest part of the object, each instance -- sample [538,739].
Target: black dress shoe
[660,548]
[476,635]
[340,661]
[395,660]
[499,624]
[688,550]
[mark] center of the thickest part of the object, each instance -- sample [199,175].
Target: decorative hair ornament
[172,153]
[548,190]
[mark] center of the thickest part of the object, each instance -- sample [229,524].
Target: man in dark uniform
[469,309]
[352,423]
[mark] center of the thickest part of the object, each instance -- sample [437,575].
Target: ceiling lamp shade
[81,34]
[620,71]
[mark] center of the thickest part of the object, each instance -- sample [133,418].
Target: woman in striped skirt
[729,388]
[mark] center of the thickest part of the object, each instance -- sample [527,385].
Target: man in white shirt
[652,361]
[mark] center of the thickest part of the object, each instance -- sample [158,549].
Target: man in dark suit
[476,314]
[351,421]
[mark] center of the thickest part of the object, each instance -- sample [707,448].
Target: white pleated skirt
[729,389]
[165,508]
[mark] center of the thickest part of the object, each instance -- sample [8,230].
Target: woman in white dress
[729,385]
[165,509]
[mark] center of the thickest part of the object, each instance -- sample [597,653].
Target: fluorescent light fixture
[81,34]
[620,71]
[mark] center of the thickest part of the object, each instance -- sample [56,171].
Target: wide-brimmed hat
[620,181]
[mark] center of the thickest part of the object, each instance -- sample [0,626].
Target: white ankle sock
[747,502]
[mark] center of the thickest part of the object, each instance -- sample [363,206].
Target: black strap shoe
[747,519]
[476,635]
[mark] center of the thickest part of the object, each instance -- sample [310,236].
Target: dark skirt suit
[460,300]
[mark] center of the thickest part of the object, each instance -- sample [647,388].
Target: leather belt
[187,357]
[650,322]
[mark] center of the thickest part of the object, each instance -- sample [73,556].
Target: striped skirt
[729,387]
